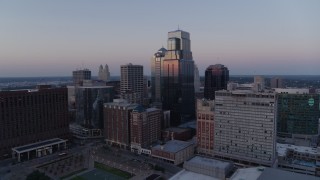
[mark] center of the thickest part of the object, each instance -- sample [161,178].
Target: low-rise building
[299,159]
[174,151]
[210,167]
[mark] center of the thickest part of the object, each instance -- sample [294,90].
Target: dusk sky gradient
[53,38]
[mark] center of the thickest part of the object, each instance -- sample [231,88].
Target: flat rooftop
[248,173]
[173,146]
[277,174]
[209,162]
[40,144]
[176,129]
[282,149]
[188,175]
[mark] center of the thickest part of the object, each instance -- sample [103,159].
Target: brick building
[28,116]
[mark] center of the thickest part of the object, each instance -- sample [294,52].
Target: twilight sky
[53,38]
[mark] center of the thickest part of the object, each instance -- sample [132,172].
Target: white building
[104,74]
[245,127]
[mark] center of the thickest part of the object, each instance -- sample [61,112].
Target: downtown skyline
[42,38]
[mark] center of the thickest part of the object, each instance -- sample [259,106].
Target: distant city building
[216,78]
[80,75]
[28,116]
[205,126]
[298,118]
[276,82]
[156,69]
[131,83]
[117,122]
[174,151]
[145,126]
[245,127]
[178,78]
[104,74]
[89,105]
[197,82]
[258,83]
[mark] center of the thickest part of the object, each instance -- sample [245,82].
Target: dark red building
[28,116]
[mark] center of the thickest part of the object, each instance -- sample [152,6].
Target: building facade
[80,75]
[178,78]
[117,122]
[156,70]
[145,126]
[131,83]
[216,78]
[89,105]
[205,126]
[104,74]
[28,116]
[276,82]
[245,127]
[298,118]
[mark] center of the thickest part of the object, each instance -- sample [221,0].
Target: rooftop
[282,149]
[277,174]
[247,173]
[188,175]
[209,162]
[173,146]
[38,144]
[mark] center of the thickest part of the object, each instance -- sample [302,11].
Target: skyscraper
[178,77]
[216,78]
[196,79]
[258,83]
[104,74]
[80,75]
[131,83]
[156,69]
[276,82]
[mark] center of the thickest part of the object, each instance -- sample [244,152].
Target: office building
[178,78]
[89,105]
[216,78]
[104,74]
[80,75]
[145,126]
[205,126]
[245,127]
[298,118]
[28,116]
[156,69]
[258,83]
[276,82]
[131,83]
[197,82]
[117,122]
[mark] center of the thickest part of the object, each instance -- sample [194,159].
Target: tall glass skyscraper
[156,69]
[178,78]
[216,78]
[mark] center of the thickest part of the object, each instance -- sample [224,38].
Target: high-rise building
[117,122]
[28,116]
[104,74]
[131,83]
[178,78]
[216,78]
[245,127]
[145,127]
[89,105]
[156,69]
[80,75]
[196,79]
[258,83]
[205,126]
[276,82]
[298,118]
